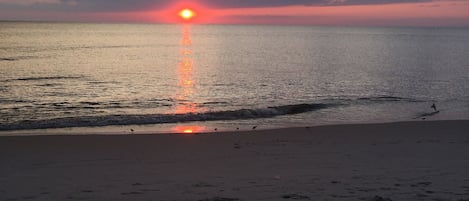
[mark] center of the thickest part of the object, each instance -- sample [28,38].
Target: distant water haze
[193,78]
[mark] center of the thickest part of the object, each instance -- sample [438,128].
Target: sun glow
[187,14]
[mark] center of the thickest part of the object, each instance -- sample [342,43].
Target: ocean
[60,78]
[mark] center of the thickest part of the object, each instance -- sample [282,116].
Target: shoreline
[396,161]
[178,129]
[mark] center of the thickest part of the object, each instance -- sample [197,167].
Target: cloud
[275,3]
[33,2]
[139,5]
[29,2]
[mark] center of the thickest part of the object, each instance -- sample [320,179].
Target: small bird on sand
[434,107]
[132,130]
[254,127]
[215,129]
[237,128]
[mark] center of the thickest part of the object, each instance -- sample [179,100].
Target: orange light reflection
[188,129]
[185,71]
[186,84]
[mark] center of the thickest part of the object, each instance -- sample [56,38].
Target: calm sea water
[159,78]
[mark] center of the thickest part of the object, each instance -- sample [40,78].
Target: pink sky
[442,13]
[435,13]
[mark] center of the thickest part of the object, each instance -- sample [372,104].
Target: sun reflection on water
[185,72]
[186,83]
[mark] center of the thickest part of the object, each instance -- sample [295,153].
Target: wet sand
[425,160]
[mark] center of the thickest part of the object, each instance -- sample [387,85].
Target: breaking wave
[93,121]
[387,99]
[17,58]
[48,78]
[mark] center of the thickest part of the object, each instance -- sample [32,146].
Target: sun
[187,14]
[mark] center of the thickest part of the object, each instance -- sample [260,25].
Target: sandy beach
[426,160]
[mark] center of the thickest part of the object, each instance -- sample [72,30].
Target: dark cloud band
[275,3]
[136,5]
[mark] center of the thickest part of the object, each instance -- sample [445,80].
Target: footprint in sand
[137,184]
[295,197]
[220,199]
[149,190]
[30,197]
[132,193]
[203,185]
[379,198]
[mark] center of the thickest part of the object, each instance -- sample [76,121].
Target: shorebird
[434,107]
[215,129]
[254,127]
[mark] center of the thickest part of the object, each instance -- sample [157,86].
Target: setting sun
[187,14]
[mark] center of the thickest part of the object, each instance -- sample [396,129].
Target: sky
[296,12]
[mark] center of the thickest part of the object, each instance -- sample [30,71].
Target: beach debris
[254,127]
[220,199]
[379,198]
[215,129]
[237,128]
[295,197]
[132,130]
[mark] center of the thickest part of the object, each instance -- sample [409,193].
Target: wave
[11,101]
[381,98]
[426,114]
[46,78]
[387,99]
[94,121]
[17,58]
[215,103]
[35,49]
[85,113]
[8,59]
[105,47]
